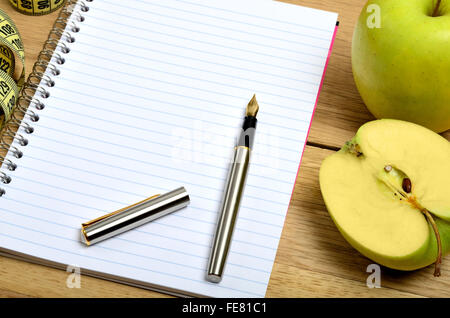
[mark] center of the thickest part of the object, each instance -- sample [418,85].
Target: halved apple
[388,192]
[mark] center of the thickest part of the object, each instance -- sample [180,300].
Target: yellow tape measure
[7,61]
[11,51]
[36,7]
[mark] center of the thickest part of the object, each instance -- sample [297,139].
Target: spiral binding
[23,116]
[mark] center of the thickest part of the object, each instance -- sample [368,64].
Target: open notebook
[150,98]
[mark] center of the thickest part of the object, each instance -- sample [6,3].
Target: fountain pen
[234,188]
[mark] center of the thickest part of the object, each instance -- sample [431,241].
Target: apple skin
[402,70]
[421,258]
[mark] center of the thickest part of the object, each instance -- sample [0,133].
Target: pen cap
[133,216]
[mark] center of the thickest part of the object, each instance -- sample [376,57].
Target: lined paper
[151,97]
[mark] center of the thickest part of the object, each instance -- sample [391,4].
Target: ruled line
[237,21]
[170,125]
[142,244]
[159,222]
[121,203]
[135,194]
[108,261]
[190,184]
[209,43]
[231,67]
[309,102]
[15,200]
[121,15]
[221,26]
[127,55]
[237,58]
[171,167]
[253,16]
[205,164]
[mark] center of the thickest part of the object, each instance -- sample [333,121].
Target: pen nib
[252,107]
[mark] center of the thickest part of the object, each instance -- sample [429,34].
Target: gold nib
[252,107]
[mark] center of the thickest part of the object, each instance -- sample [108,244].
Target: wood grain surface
[313,259]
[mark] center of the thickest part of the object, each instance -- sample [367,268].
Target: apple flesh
[402,68]
[387,192]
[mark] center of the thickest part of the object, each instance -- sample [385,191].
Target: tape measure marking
[7,60]
[36,7]
[11,49]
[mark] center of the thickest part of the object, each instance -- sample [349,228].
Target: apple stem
[436,9]
[437,264]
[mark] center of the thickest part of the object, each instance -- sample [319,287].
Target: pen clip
[85,224]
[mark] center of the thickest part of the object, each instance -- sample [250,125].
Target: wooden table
[313,259]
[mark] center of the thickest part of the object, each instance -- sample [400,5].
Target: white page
[151,98]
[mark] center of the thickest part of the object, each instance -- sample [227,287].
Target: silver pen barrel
[228,213]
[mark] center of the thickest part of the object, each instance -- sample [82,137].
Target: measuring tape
[36,7]
[11,51]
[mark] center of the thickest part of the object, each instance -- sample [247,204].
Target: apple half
[387,190]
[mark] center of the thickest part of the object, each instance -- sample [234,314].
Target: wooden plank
[22,279]
[295,282]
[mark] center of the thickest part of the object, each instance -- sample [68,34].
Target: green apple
[401,60]
[387,190]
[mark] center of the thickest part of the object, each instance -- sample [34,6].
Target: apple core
[386,190]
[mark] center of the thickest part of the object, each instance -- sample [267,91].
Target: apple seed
[406,185]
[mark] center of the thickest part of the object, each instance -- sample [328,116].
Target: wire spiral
[29,102]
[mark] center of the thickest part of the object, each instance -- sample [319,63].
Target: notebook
[151,97]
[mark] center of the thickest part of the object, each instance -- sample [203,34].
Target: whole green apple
[401,60]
